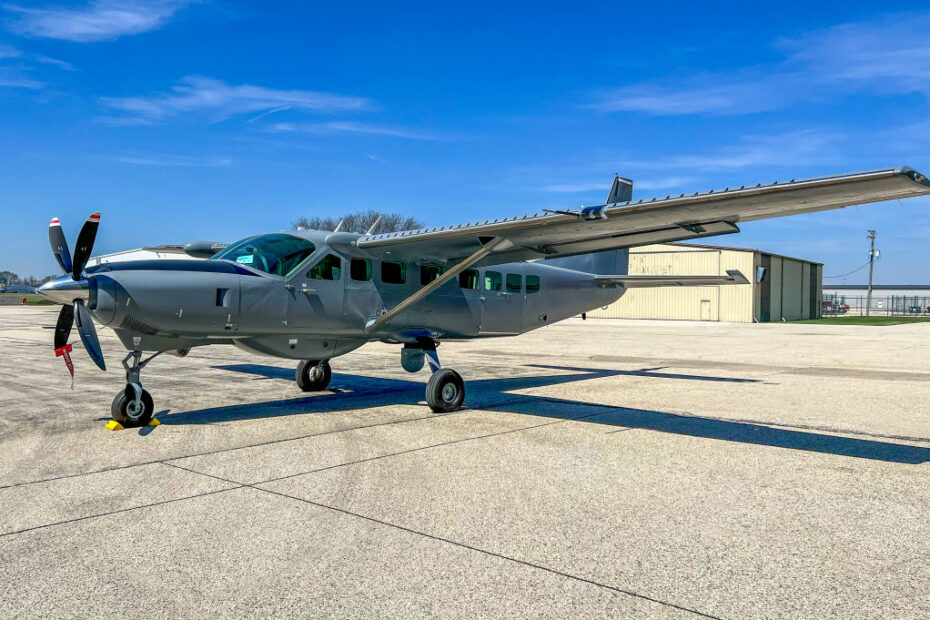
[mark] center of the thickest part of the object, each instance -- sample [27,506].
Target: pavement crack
[456,543]
[219,451]
[121,510]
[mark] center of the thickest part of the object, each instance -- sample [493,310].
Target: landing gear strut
[445,390]
[133,406]
[313,375]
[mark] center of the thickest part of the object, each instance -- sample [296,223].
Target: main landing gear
[445,390]
[133,406]
[313,375]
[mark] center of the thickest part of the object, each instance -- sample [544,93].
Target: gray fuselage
[320,308]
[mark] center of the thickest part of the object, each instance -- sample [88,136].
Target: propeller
[75,312]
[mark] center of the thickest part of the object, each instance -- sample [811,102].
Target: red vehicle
[834,306]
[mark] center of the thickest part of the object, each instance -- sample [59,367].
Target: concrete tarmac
[602,469]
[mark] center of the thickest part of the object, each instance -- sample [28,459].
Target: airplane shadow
[350,392]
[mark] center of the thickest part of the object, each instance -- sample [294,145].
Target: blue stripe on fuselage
[211,266]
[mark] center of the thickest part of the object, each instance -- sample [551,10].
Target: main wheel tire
[313,376]
[445,391]
[122,409]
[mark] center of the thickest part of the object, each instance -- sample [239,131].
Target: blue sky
[183,120]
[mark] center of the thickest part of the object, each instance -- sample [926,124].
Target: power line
[848,274]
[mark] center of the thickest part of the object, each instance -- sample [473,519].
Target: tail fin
[605,262]
[621,190]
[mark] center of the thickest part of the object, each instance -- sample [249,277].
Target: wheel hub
[134,409]
[449,392]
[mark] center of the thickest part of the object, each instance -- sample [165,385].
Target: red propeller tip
[95,216]
[54,221]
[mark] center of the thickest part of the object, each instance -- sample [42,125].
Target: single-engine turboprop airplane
[315,295]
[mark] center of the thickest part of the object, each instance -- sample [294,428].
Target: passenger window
[514,283]
[532,284]
[492,281]
[360,269]
[393,273]
[428,273]
[468,279]
[326,269]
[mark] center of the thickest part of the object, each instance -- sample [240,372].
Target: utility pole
[868,297]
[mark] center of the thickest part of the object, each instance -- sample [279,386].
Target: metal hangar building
[780,287]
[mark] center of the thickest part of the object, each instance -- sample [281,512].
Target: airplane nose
[65,290]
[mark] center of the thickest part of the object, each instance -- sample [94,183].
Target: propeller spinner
[71,292]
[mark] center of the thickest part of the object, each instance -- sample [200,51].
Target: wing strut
[487,248]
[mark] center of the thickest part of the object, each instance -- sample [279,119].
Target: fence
[882,305]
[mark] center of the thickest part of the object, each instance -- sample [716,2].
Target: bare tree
[360,222]
[8,278]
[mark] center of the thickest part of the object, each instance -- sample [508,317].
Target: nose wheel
[129,412]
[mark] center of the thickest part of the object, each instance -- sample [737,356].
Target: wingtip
[738,277]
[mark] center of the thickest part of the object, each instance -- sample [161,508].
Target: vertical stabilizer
[621,190]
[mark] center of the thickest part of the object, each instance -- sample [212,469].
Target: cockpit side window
[326,269]
[278,254]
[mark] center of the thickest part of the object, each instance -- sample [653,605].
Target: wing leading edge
[630,224]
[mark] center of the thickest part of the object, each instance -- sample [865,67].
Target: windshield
[277,254]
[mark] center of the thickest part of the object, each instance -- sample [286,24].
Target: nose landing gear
[133,406]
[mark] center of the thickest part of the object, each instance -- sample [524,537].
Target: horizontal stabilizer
[733,277]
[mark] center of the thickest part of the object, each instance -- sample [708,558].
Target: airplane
[313,295]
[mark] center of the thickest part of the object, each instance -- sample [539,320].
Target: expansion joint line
[449,541]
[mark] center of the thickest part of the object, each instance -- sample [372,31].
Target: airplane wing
[630,224]
[733,277]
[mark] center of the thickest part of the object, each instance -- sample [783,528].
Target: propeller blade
[59,244]
[85,325]
[63,327]
[85,245]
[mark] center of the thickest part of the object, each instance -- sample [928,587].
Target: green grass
[31,298]
[866,320]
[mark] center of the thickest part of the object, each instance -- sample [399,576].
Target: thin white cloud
[671,182]
[790,149]
[16,76]
[706,93]
[14,79]
[61,64]
[886,56]
[574,188]
[99,20]
[174,161]
[198,95]
[353,127]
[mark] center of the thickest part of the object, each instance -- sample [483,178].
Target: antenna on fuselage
[338,226]
[374,227]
